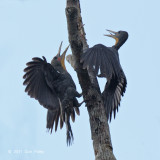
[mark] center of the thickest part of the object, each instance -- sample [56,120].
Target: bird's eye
[119,32]
[55,57]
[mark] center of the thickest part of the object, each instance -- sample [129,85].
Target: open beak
[63,58]
[112,34]
[59,51]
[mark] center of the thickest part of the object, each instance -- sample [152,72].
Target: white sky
[30,28]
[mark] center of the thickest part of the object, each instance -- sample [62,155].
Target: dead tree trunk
[91,93]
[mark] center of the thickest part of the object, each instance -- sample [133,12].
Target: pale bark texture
[91,93]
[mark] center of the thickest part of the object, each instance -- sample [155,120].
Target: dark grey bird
[106,60]
[55,90]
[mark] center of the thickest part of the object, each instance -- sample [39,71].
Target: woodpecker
[54,88]
[105,60]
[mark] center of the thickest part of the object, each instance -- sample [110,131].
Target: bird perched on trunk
[106,59]
[55,90]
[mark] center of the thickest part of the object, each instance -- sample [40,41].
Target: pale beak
[63,58]
[112,34]
[59,51]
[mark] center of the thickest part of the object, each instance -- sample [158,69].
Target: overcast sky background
[30,28]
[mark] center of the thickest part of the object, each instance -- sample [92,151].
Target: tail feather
[69,130]
[77,110]
[73,115]
[70,137]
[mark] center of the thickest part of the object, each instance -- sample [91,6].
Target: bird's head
[59,60]
[120,37]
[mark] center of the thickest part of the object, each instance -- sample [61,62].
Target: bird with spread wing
[54,88]
[106,60]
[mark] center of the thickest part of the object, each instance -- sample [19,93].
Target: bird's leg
[78,94]
[76,103]
[81,103]
[71,93]
[101,75]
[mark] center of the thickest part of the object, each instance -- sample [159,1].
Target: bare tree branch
[91,93]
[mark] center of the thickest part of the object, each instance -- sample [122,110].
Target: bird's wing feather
[53,118]
[99,57]
[37,77]
[112,93]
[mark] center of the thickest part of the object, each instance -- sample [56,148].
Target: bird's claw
[79,95]
[80,103]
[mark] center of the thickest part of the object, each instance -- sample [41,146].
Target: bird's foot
[80,103]
[100,75]
[79,95]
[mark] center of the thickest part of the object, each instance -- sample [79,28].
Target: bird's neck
[117,46]
[60,69]
[119,43]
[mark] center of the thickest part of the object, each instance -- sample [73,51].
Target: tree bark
[91,93]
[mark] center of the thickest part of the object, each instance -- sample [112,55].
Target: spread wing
[105,60]
[114,89]
[39,77]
